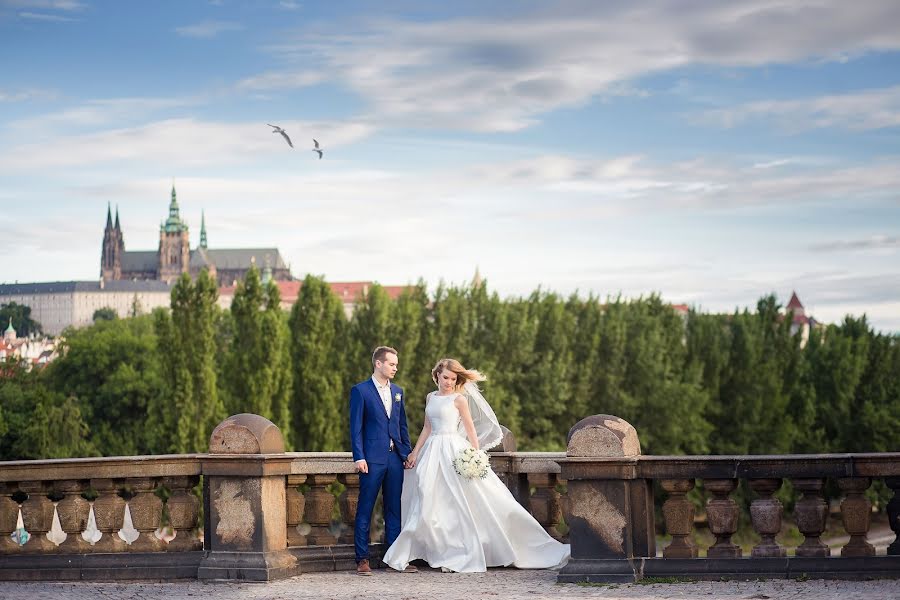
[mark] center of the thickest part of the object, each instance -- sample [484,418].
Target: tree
[19,315]
[318,333]
[259,356]
[105,314]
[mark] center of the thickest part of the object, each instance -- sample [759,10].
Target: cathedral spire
[203,229]
[108,215]
[174,224]
[117,219]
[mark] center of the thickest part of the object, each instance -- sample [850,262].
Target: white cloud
[857,111]
[33,16]
[207,29]
[875,242]
[275,80]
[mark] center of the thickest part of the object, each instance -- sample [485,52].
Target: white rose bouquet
[471,463]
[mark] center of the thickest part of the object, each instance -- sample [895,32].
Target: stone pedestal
[609,511]
[244,492]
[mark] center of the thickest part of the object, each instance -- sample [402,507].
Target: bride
[457,524]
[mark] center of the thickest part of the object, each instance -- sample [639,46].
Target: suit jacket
[371,431]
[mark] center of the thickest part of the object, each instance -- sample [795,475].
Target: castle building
[174,255]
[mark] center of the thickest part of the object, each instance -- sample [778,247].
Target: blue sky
[712,152]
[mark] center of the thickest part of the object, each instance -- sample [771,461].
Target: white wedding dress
[464,525]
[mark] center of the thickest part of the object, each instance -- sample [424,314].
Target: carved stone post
[319,508]
[610,511]
[73,513]
[9,516]
[146,515]
[766,512]
[245,507]
[722,512]
[678,512]
[856,511]
[296,504]
[544,503]
[109,512]
[184,510]
[348,501]
[37,517]
[893,511]
[810,513]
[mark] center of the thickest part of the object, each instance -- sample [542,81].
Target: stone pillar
[348,501]
[184,511]
[319,508]
[245,502]
[146,515]
[73,513]
[893,511]
[296,505]
[544,503]
[856,511]
[109,512]
[722,512]
[678,512]
[610,511]
[766,512]
[37,516]
[810,513]
[9,516]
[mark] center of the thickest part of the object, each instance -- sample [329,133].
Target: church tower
[174,245]
[113,247]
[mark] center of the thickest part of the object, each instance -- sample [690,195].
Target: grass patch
[654,580]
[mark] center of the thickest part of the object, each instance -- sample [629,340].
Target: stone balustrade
[611,511]
[268,514]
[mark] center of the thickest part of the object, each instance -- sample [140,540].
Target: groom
[379,439]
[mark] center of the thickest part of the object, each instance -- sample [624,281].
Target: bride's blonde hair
[463,375]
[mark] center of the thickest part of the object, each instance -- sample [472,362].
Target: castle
[175,256]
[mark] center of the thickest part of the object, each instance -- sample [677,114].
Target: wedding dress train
[464,525]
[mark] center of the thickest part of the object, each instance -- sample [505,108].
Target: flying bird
[277,129]
[317,149]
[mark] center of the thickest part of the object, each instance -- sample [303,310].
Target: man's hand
[362,466]
[410,461]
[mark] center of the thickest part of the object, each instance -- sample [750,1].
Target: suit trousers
[389,479]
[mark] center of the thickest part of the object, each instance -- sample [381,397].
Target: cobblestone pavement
[427,585]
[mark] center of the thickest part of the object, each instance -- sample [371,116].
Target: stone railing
[268,514]
[611,510]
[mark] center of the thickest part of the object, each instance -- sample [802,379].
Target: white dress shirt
[385,392]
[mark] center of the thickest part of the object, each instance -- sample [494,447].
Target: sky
[711,152]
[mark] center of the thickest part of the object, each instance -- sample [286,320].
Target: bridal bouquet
[471,463]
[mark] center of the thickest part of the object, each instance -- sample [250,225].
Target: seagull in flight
[317,149]
[277,129]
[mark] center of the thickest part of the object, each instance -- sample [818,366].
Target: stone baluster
[722,512]
[564,505]
[184,510]
[856,511]
[544,503]
[146,514]
[893,511]
[37,516]
[348,501]
[319,507]
[766,513]
[296,504]
[73,513]
[109,513]
[678,513]
[9,516]
[810,513]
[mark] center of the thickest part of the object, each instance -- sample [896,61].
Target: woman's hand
[411,461]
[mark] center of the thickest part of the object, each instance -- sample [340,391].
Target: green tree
[318,333]
[19,315]
[259,356]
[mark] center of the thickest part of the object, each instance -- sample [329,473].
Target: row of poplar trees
[738,383]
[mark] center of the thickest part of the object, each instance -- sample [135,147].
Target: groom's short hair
[381,352]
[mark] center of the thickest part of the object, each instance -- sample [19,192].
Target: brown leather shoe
[363,568]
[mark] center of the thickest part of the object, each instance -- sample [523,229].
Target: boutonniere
[396,397]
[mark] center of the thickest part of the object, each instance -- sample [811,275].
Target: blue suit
[371,435]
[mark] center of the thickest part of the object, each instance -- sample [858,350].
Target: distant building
[349,293]
[174,255]
[33,350]
[60,304]
[800,322]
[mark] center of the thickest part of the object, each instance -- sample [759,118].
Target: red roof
[794,303]
[347,291]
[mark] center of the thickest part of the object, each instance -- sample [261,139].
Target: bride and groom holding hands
[432,512]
